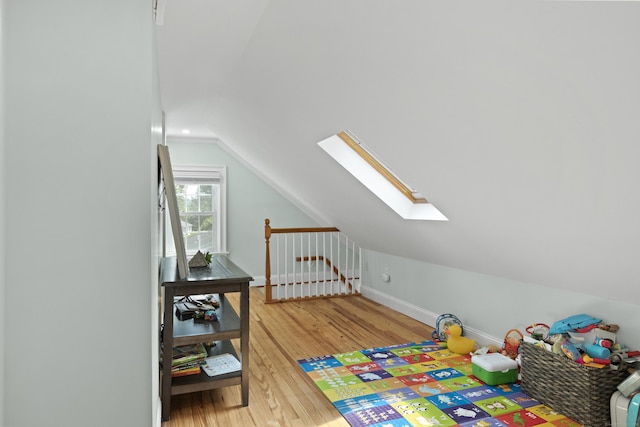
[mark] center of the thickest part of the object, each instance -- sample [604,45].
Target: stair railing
[306,263]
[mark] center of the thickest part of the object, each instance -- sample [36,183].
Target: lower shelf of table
[202,381]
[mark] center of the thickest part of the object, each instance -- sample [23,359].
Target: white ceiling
[519,120]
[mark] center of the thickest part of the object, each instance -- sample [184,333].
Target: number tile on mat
[351,358]
[372,416]
[315,363]
[462,414]
[498,405]
[522,418]
[421,412]
[327,373]
[522,399]
[546,413]
[447,400]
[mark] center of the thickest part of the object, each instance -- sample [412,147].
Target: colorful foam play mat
[421,384]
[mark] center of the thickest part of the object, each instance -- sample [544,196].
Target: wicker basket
[579,392]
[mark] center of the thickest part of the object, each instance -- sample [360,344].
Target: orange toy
[511,344]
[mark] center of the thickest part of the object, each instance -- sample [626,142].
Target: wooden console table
[221,277]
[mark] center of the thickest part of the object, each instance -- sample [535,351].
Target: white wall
[249,201]
[488,305]
[80,102]
[2,223]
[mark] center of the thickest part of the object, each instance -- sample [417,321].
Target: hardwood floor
[280,393]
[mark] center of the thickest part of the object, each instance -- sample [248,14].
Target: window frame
[211,174]
[367,168]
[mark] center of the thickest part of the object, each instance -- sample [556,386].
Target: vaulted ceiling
[519,120]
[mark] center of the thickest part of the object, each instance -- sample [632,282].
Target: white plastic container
[494,368]
[584,338]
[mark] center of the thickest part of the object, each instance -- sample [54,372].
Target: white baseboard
[424,316]
[258,281]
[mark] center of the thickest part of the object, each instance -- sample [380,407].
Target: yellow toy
[457,343]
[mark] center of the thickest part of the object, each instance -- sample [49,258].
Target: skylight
[370,171]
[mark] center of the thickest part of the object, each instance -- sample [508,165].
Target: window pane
[206,223]
[189,224]
[199,240]
[199,233]
[180,195]
[206,204]
[191,195]
[201,201]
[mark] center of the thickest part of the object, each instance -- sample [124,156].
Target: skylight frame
[354,156]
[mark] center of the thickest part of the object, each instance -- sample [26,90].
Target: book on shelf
[221,364]
[183,354]
[187,365]
[184,371]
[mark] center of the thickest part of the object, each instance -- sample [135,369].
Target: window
[201,194]
[369,170]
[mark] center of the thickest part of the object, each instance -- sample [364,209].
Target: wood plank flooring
[280,393]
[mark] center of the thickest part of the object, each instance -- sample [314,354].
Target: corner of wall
[2,220]
[157,137]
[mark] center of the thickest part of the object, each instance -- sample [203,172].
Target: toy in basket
[538,331]
[442,323]
[511,345]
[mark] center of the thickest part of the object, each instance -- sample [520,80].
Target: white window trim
[352,155]
[181,172]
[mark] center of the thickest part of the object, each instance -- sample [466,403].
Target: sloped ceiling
[519,120]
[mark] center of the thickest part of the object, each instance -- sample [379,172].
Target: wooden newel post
[267,281]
